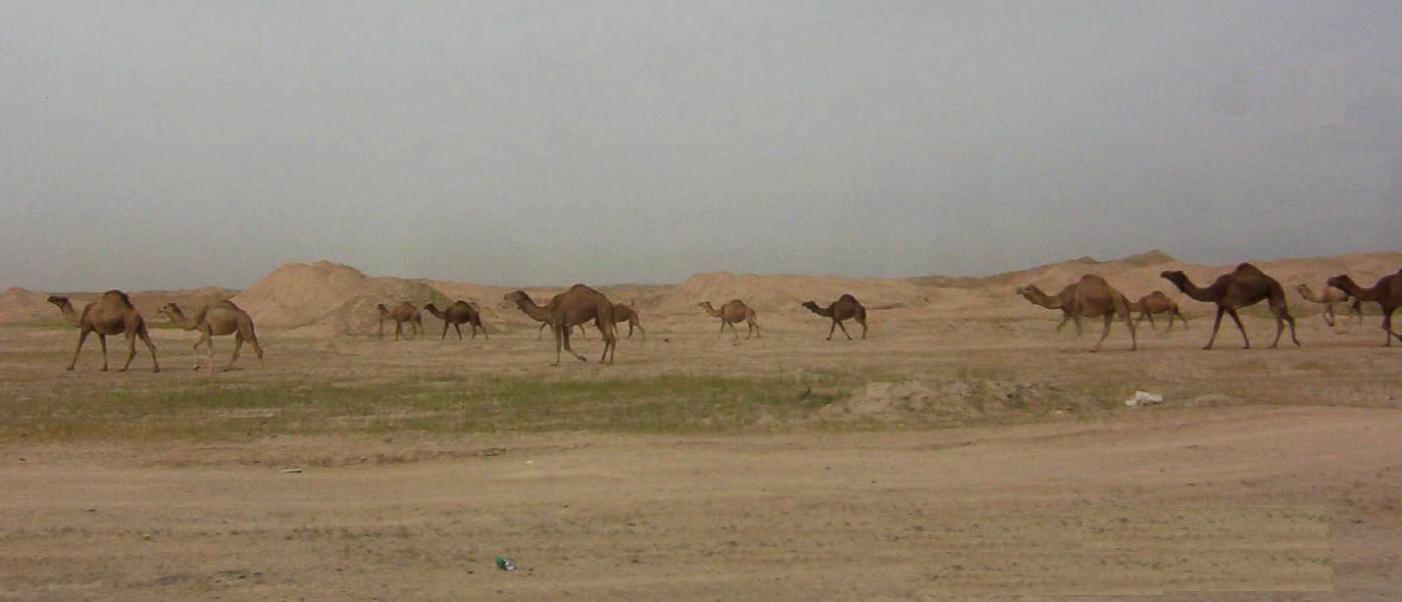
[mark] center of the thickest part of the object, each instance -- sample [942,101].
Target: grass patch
[662,404]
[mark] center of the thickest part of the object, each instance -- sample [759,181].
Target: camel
[1245,286]
[1329,298]
[734,311]
[1091,297]
[458,313]
[1062,301]
[1387,292]
[217,319]
[845,307]
[1157,303]
[112,314]
[402,313]
[574,307]
[626,313]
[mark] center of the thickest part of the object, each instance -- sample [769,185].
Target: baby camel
[845,307]
[1329,298]
[1157,303]
[458,313]
[216,319]
[402,313]
[733,311]
[112,314]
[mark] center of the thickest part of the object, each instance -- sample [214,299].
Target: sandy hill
[18,306]
[327,298]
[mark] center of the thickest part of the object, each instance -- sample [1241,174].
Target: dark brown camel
[574,307]
[1245,286]
[1387,292]
[1157,303]
[733,311]
[112,314]
[1091,297]
[1329,298]
[403,313]
[456,314]
[845,307]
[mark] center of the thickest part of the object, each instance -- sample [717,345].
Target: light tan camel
[1387,292]
[845,307]
[1157,303]
[1091,297]
[1245,286]
[574,307]
[216,320]
[733,311]
[403,313]
[1329,298]
[460,312]
[112,314]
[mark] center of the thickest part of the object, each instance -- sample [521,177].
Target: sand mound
[327,298]
[21,306]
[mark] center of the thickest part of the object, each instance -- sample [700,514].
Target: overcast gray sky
[178,144]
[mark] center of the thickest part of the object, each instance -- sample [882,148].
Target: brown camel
[1245,286]
[845,307]
[113,314]
[403,313]
[1329,298]
[1091,297]
[1157,303]
[574,307]
[458,313]
[626,313]
[1387,292]
[1062,301]
[734,311]
[215,320]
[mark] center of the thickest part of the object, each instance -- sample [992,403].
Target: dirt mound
[327,298]
[21,306]
[784,293]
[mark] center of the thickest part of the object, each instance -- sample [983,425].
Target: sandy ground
[1269,474]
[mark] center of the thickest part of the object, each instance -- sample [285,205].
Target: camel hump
[1093,279]
[116,295]
[1247,267]
[848,297]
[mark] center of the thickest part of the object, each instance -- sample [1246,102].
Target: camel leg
[1133,338]
[1152,325]
[83,336]
[1235,318]
[484,331]
[1064,319]
[1181,318]
[131,350]
[1216,324]
[566,330]
[238,346]
[1357,309]
[755,325]
[732,329]
[863,322]
[209,348]
[398,330]
[1076,319]
[102,338]
[844,330]
[1283,315]
[1387,327]
[640,330]
[444,336]
[608,340]
[1105,333]
[831,329]
[1329,314]
[458,329]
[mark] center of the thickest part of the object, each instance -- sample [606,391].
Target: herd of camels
[1091,297]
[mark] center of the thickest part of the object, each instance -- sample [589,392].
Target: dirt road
[1208,500]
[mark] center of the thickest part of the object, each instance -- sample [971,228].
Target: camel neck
[529,307]
[1352,288]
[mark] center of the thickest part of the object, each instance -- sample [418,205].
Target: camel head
[810,305]
[381,308]
[431,308]
[1341,282]
[1030,289]
[1303,288]
[1174,276]
[58,300]
[516,297]
[171,311]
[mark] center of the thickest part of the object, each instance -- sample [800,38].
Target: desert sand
[963,451]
